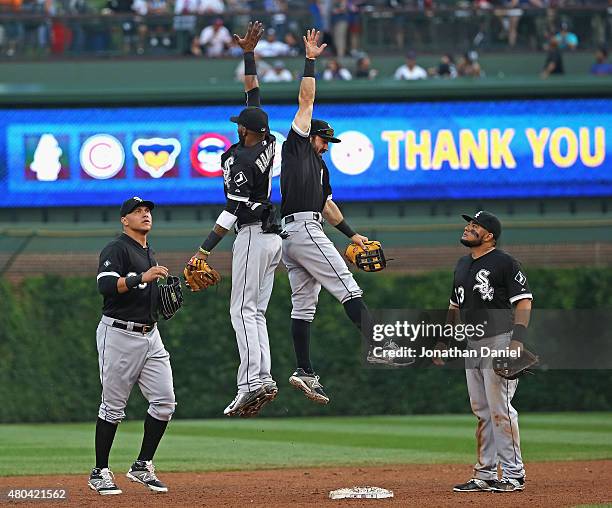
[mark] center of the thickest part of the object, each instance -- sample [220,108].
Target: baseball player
[311,259]
[490,288]
[247,174]
[130,349]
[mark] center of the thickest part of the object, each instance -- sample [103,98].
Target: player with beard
[491,290]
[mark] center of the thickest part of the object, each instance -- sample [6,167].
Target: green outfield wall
[49,370]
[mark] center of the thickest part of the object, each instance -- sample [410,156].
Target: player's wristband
[309,68]
[519,332]
[133,280]
[344,228]
[250,69]
[210,243]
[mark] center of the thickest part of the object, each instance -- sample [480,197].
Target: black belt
[136,328]
[290,218]
[240,226]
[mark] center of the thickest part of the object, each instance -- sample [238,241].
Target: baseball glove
[170,296]
[370,260]
[513,368]
[199,274]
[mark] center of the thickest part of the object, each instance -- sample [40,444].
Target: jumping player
[247,173]
[130,349]
[490,288]
[312,260]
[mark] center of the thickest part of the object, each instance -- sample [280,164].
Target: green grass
[233,444]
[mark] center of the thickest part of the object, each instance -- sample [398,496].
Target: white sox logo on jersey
[484,286]
[227,169]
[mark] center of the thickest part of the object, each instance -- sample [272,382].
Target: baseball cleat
[103,482]
[509,485]
[387,354]
[143,471]
[309,384]
[271,392]
[244,402]
[475,485]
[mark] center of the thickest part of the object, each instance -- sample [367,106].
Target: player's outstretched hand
[311,44]
[154,273]
[359,240]
[251,38]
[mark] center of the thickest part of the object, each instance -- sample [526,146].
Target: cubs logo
[484,286]
[206,152]
[156,156]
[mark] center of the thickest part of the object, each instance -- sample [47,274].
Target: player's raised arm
[248,44]
[307,87]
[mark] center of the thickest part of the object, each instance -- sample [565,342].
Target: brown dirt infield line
[553,484]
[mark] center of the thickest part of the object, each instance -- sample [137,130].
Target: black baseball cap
[487,220]
[253,118]
[129,205]
[322,129]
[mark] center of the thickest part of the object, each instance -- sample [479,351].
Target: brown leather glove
[200,275]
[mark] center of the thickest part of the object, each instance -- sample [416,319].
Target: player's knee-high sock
[153,431]
[105,434]
[300,330]
[358,313]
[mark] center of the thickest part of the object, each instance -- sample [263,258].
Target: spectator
[566,39]
[340,25]
[333,70]
[410,70]
[295,48]
[513,14]
[278,73]
[211,7]
[262,68]
[184,25]
[468,65]
[158,31]
[364,69]
[278,10]
[270,47]
[554,60]
[13,29]
[215,39]
[354,19]
[446,68]
[601,67]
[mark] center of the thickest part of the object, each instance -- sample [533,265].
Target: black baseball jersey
[304,181]
[122,257]
[485,289]
[247,175]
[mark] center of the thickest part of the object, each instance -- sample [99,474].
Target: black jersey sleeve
[253,98]
[240,183]
[297,141]
[327,190]
[110,267]
[454,299]
[516,282]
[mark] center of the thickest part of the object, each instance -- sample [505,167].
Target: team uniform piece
[513,368]
[247,173]
[256,252]
[130,348]
[311,258]
[200,275]
[370,259]
[485,290]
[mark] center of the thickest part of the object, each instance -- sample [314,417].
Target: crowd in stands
[203,28]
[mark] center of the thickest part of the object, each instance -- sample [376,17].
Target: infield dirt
[551,484]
